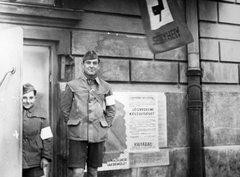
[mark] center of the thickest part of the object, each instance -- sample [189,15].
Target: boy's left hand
[44,163]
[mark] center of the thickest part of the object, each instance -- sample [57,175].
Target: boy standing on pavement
[88,109]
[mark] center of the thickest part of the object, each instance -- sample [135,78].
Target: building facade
[200,80]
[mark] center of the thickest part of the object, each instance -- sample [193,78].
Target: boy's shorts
[33,172]
[82,152]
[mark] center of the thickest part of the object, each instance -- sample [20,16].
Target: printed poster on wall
[139,129]
[142,122]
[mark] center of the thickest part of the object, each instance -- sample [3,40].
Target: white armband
[46,133]
[110,100]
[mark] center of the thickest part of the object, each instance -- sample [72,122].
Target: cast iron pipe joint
[194,90]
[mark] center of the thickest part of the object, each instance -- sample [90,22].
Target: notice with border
[139,129]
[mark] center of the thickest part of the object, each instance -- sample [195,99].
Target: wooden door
[11,52]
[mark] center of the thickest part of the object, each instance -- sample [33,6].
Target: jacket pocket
[76,129]
[73,121]
[102,132]
[103,122]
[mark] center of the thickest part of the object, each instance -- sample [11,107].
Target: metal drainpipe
[194,91]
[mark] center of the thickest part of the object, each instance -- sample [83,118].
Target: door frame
[53,90]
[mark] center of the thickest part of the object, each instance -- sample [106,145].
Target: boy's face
[28,100]
[91,67]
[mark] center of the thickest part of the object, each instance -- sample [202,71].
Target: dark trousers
[32,172]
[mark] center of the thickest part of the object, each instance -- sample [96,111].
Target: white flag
[164,25]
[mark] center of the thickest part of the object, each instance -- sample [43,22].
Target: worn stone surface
[152,171]
[209,49]
[178,163]
[229,13]
[110,44]
[151,71]
[221,118]
[220,88]
[110,69]
[230,51]
[219,72]
[228,0]
[114,70]
[176,54]
[35,11]
[177,126]
[183,72]
[208,10]
[221,31]
[222,161]
[178,166]
[153,87]
[120,7]
[111,23]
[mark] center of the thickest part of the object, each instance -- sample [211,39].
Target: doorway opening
[39,68]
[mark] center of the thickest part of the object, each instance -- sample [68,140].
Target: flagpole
[194,73]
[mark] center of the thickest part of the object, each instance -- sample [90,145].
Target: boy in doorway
[37,136]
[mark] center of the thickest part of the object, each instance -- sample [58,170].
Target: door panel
[36,71]
[11,45]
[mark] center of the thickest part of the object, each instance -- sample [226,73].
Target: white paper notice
[139,129]
[142,122]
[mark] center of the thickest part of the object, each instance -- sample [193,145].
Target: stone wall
[219,27]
